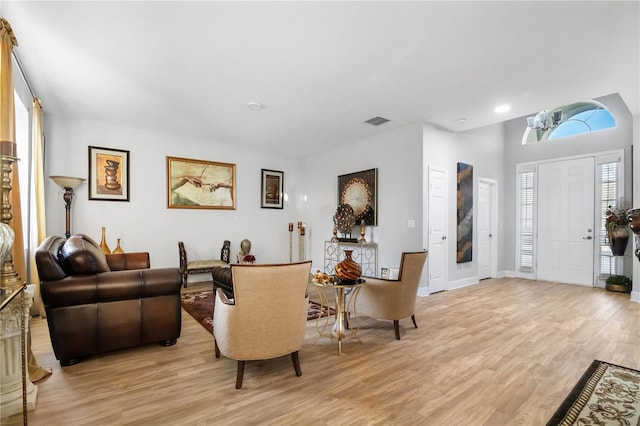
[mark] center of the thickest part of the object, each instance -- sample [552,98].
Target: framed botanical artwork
[200,184]
[108,174]
[271,193]
[360,191]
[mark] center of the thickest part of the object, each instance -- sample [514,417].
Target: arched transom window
[568,120]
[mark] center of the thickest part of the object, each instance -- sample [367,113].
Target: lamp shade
[67,181]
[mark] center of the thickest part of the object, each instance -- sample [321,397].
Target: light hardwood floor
[503,352]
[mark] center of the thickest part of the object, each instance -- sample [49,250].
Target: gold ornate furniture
[366,254]
[346,296]
[393,299]
[195,266]
[267,317]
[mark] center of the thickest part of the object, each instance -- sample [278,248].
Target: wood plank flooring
[502,352]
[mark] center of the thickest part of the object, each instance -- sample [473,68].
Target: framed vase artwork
[360,191]
[271,192]
[200,184]
[108,174]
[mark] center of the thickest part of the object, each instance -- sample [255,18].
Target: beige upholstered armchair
[393,299]
[267,316]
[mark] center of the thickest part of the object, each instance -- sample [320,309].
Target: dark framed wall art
[108,174]
[200,184]
[271,193]
[360,191]
[464,249]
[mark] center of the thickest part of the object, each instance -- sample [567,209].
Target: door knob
[587,238]
[444,237]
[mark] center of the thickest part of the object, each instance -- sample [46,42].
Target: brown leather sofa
[97,303]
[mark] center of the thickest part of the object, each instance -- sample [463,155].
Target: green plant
[619,280]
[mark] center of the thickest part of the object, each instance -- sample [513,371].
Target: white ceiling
[321,68]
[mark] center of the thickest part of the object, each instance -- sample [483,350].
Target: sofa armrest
[111,286]
[128,261]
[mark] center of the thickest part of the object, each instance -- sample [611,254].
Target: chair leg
[413,318]
[396,327]
[240,374]
[217,349]
[184,280]
[296,363]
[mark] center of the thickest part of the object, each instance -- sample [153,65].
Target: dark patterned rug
[199,304]
[607,394]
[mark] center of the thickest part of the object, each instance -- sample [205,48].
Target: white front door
[485,231]
[437,258]
[566,221]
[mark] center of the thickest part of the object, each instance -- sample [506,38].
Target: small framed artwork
[360,191]
[108,174]
[200,184]
[271,194]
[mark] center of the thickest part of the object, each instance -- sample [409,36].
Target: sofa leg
[413,318]
[216,348]
[296,363]
[396,328]
[240,374]
[168,342]
[68,362]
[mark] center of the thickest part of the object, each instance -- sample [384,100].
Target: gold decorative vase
[118,248]
[348,269]
[103,243]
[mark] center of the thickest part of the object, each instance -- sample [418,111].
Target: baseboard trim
[502,274]
[466,282]
[635,296]
[423,291]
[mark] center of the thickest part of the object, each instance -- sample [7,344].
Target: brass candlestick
[301,242]
[10,277]
[362,239]
[290,242]
[334,239]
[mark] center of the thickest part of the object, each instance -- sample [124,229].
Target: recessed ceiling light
[255,106]
[502,108]
[462,120]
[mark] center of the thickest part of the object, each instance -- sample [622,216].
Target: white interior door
[437,229]
[566,221]
[485,230]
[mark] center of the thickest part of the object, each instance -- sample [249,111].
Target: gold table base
[346,296]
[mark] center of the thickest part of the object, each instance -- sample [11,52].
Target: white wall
[144,223]
[483,149]
[397,154]
[619,137]
[635,294]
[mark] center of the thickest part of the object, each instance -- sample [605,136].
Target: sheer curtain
[37,225]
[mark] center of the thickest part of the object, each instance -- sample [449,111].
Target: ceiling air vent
[376,121]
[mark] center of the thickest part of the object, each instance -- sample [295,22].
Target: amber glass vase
[348,269]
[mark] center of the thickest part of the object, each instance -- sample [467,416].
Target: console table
[366,254]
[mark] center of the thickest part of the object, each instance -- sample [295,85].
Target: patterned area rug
[199,304]
[607,394]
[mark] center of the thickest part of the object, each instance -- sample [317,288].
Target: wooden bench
[195,266]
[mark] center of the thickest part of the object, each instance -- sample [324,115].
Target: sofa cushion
[84,256]
[48,259]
